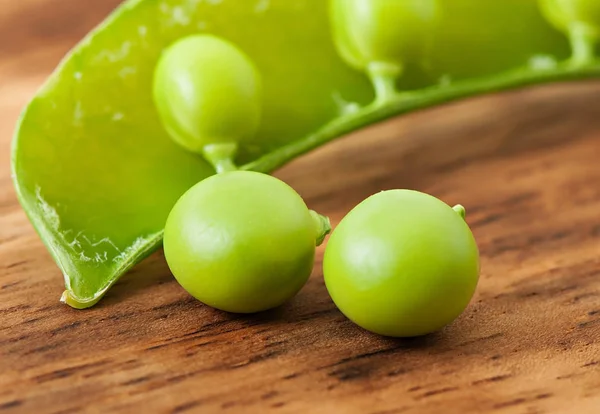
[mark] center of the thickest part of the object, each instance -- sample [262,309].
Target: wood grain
[525,164]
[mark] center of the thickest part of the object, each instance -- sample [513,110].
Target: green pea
[580,20]
[402,263]
[380,36]
[242,241]
[208,96]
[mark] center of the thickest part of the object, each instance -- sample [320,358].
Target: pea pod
[97,172]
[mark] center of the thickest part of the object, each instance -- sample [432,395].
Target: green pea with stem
[242,241]
[402,263]
[238,241]
[208,96]
[379,37]
[580,20]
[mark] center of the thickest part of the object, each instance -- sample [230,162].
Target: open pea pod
[97,174]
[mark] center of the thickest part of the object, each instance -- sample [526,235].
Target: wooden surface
[525,164]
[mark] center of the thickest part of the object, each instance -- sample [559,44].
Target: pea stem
[460,210]
[421,99]
[583,41]
[383,77]
[322,226]
[221,156]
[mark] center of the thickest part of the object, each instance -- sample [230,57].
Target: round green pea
[242,241]
[207,92]
[383,32]
[402,263]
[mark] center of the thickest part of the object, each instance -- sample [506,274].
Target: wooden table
[525,164]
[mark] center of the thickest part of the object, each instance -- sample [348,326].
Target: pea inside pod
[402,263]
[208,96]
[580,20]
[242,241]
[379,37]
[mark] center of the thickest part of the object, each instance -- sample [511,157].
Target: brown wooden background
[525,164]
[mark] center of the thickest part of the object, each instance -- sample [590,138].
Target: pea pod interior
[97,174]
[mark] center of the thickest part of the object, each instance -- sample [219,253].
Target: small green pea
[402,263]
[208,96]
[242,241]
[380,36]
[580,20]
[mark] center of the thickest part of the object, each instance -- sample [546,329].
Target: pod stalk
[221,156]
[583,42]
[460,210]
[383,77]
[322,227]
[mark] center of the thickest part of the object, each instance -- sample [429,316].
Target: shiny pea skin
[580,20]
[402,263]
[242,241]
[380,37]
[208,96]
